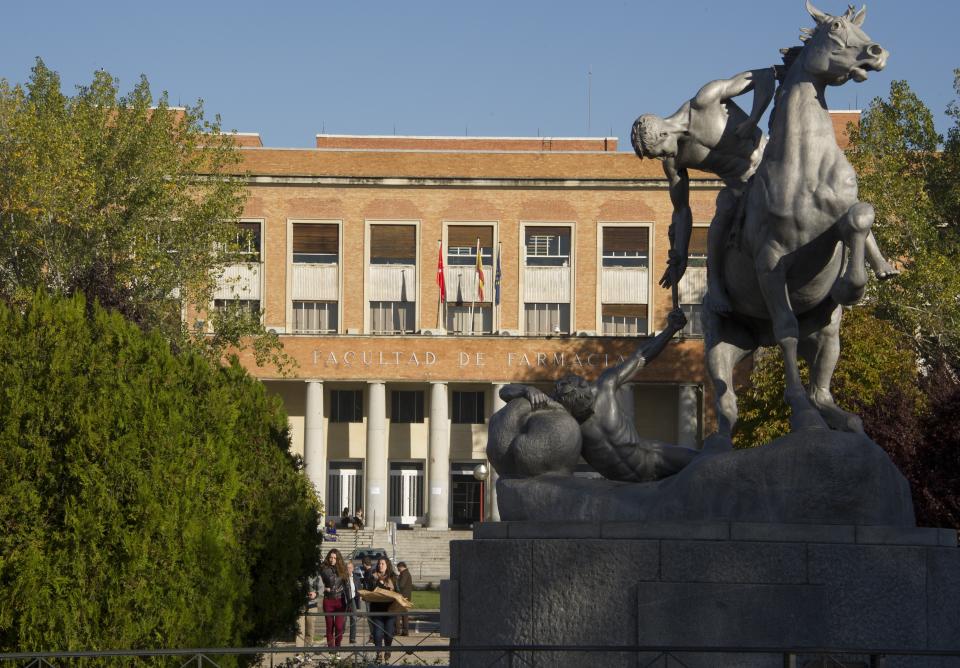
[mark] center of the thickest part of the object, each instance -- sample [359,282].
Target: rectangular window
[406,406]
[626,246]
[393,244]
[250,305]
[694,313]
[468,408]
[315,243]
[545,319]
[697,255]
[624,319]
[461,321]
[247,242]
[462,246]
[547,246]
[391,317]
[346,406]
[693,285]
[314,317]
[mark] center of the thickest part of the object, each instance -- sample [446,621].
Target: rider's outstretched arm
[762,82]
[645,352]
[681,222]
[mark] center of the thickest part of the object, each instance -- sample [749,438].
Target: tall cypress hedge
[147,499]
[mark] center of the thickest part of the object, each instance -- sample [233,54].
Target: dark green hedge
[147,499]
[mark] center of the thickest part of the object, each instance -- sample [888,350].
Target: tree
[123,199]
[148,498]
[875,360]
[894,151]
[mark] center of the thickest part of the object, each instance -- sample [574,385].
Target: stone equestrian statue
[711,133]
[786,275]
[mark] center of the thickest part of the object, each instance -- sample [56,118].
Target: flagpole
[496,287]
[476,285]
[441,286]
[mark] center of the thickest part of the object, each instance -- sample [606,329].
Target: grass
[426,599]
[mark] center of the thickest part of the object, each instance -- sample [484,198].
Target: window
[468,408]
[545,319]
[406,406]
[693,285]
[626,246]
[547,246]
[315,243]
[246,244]
[250,305]
[697,251]
[624,319]
[393,244]
[462,246]
[391,317]
[460,320]
[346,406]
[694,313]
[314,317]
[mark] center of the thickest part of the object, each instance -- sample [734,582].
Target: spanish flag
[479,273]
[441,282]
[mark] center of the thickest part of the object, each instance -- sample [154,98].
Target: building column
[376,466]
[439,471]
[494,512]
[314,443]
[688,416]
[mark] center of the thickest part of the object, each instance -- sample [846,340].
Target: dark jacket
[332,581]
[405,583]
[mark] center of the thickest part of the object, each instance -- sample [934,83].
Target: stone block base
[698,585]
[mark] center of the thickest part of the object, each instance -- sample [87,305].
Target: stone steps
[426,552]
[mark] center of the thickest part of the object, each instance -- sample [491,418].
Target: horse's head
[838,50]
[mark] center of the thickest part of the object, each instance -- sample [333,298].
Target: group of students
[337,588]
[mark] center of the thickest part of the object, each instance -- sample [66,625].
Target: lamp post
[481,472]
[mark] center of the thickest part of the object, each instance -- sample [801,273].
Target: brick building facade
[394,389]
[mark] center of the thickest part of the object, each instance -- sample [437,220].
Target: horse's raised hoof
[716,444]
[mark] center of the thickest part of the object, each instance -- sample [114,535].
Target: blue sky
[289,70]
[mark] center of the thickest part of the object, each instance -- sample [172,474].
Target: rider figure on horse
[710,132]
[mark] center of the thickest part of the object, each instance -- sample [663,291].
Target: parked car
[373,552]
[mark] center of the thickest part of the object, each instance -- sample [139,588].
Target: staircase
[426,552]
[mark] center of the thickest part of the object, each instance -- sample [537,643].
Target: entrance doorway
[406,492]
[466,495]
[344,488]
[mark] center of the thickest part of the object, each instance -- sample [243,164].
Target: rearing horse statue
[786,274]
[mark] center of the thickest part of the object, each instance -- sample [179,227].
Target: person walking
[353,600]
[333,574]
[405,587]
[382,623]
[366,569]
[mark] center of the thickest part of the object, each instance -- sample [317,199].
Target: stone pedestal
[699,585]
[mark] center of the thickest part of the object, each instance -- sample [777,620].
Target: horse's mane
[789,56]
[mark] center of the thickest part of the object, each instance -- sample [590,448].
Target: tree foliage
[148,499]
[901,173]
[122,198]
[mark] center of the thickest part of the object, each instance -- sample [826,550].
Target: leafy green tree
[875,359]
[894,150]
[148,499]
[122,198]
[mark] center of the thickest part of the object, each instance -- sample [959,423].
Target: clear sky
[292,69]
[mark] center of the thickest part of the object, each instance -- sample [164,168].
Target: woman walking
[333,575]
[382,625]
